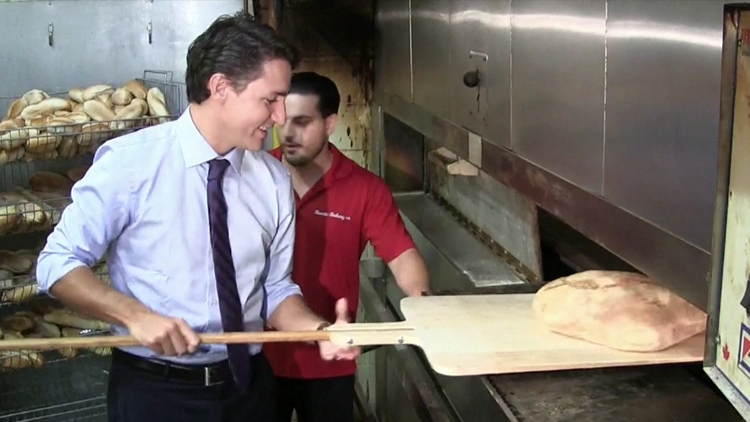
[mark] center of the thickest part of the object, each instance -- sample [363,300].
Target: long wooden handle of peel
[359,334]
[125,341]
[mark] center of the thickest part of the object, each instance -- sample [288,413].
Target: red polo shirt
[345,209]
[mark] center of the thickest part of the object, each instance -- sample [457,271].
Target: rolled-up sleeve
[278,282]
[98,213]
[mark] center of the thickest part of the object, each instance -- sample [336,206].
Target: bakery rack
[43,151]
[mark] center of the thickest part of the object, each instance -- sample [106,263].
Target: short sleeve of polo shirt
[383,225]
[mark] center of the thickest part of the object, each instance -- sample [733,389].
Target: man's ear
[331,122]
[219,86]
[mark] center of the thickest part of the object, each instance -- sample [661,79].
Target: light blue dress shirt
[143,204]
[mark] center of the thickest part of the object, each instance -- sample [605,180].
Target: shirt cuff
[49,271]
[277,294]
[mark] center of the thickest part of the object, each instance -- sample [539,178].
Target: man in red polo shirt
[340,207]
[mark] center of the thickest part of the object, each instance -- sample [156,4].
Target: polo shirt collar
[341,165]
[195,148]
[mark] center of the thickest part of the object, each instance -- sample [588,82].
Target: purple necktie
[226,282]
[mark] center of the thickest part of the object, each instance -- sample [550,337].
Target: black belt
[207,375]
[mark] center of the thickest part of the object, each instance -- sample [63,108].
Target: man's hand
[330,351]
[165,336]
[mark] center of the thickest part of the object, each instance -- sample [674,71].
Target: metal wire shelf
[42,153]
[66,390]
[43,126]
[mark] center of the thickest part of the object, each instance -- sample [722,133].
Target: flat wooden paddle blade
[498,334]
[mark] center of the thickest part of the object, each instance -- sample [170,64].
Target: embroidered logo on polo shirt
[332,215]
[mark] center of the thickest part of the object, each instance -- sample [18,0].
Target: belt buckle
[207,378]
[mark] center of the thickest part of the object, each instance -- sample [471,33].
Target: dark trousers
[134,395]
[315,400]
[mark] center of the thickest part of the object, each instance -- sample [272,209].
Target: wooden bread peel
[459,335]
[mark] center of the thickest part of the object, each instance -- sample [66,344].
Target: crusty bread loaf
[76,94]
[12,155]
[76,173]
[43,143]
[619,310]
[122,97]
[17,263]
[49,105]
[47,181]
[96,90]
[94,133]
[34,96]
[157,104]
[136,88]
[98,111]
[15,109]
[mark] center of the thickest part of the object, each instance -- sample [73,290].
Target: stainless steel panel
[481,27]
[431,55]
[473,259]
[99,41]
[393,47]
[502,215]
[670,260]
[721,202]
[663,87]
[558,87]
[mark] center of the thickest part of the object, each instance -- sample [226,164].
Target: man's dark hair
[237,46]
[311,83]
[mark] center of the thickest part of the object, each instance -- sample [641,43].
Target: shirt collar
[195,148]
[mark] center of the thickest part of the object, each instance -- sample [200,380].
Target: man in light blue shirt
[197,225]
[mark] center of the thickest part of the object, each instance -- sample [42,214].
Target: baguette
[15,262]
[98,111]
[16,323]
[157,104]
[122,97]
[79,117]
[143,104]
[15,109]
[96,90]
[49,105]
[76,94]
[69,318]
[32,215]
[69,352]
[44,143]
[41,120]
[20,294]
[130,112]
[19,359]
[62,125]
[12,155]
[106,100]
[13,139]
[41,327]
[68,147]
[35,96]
[93,134]
[11,136]
[136,88]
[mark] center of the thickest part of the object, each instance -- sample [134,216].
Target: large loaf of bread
[619,310]
[40,126]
